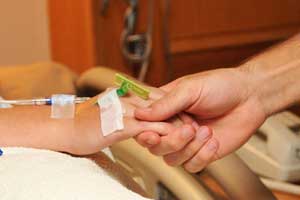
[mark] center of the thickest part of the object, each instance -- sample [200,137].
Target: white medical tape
[111,113]
[62,106]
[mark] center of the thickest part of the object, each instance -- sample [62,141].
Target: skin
[31,126]
[232,102]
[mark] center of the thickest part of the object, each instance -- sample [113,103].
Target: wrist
[274,86]
[86,137]
[255,80]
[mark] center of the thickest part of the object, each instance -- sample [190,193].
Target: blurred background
[165,38]
[24,32]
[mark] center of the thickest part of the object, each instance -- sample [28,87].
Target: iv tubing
[41,101]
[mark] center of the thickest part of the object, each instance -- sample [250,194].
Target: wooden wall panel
[189,36]
[194,62]
[72,33]
[219,16]
[108,31]
[201,24]
[109,26]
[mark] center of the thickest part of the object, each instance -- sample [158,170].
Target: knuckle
[174,145]
[188,85]
[202,159]
[190,151]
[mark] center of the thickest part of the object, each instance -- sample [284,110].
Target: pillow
[35,80]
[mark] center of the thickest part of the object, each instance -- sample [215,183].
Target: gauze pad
[111,113]
[63,106]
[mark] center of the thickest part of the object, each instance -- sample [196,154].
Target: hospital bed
[157,179]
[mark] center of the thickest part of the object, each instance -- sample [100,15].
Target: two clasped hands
[222,108]
[220,114]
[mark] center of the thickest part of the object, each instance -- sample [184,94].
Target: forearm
[30,126]
[274,76]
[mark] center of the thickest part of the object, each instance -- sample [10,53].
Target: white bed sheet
[31,174]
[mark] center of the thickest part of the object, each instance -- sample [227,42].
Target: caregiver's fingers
[148,138]
[171,85]
[203,134]
[187,119]
[169,105]
[156,93]
[175,141]
[203,157]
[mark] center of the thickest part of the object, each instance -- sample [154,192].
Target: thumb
[171,85]
[177,100]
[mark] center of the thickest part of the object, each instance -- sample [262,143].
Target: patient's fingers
[133,127]
[203,134]
[203,157]
[148,139]
[174,141]
[162,128]
[151,138]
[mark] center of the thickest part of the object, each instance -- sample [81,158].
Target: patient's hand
[88,137]
[31,126]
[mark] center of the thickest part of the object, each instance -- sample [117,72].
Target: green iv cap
[123,90]
[129,85]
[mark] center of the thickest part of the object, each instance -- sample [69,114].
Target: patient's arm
[31,126]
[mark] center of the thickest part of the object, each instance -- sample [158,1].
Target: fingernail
[1,152]
[203,133]
[186,132]
[212,145]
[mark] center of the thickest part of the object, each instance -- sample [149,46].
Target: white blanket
[31,174]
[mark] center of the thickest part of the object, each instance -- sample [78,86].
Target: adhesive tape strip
[63,106]
[111,113]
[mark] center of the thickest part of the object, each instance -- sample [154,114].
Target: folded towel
[31,174]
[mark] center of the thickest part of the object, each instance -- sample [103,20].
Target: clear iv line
[40,101]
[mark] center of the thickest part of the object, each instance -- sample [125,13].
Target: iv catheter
[41,101]
[124,83]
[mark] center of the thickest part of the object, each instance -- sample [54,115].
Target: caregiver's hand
[221,99]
